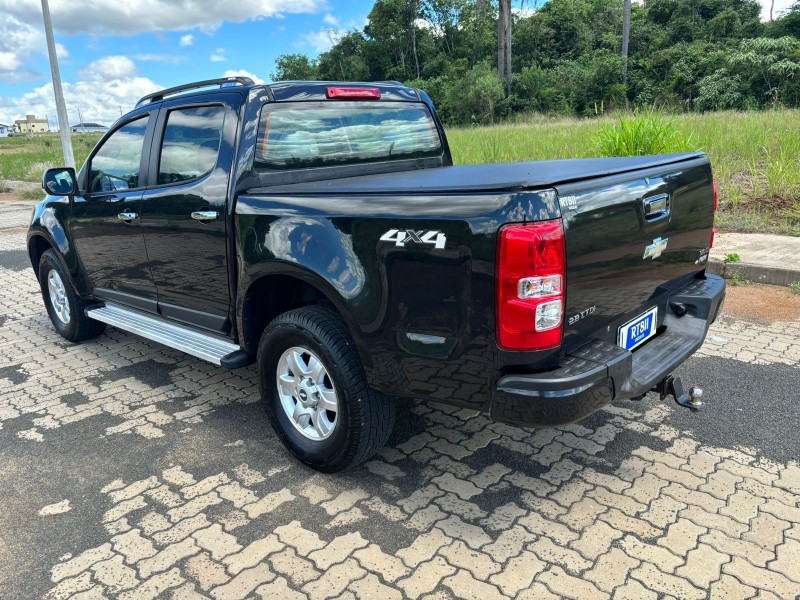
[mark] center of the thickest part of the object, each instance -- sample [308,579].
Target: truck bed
[480,178]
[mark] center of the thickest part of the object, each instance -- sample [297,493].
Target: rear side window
[191,143]
[297,136]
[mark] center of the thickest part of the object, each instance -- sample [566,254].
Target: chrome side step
[202,345]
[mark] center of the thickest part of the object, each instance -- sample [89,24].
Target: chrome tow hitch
[672,386]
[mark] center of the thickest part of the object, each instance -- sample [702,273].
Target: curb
[754,273]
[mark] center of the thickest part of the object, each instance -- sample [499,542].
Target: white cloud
[329,19]
[99,101]
[781,6]
[170,59]
[187,40]
[429,25]
[523,12]
[243,73]
[321,40]
[18,44]
[9,61]
[218,55]
[109,68]
[130,18]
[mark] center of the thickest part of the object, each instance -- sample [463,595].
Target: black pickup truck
[320,230]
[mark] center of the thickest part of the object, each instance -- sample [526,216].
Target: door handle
[205,215]
[127,216]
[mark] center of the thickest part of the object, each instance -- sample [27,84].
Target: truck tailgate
[630,240]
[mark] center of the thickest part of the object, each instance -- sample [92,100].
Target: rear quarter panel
[422,317]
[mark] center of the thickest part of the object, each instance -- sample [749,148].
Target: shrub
[474,97]
[643,132]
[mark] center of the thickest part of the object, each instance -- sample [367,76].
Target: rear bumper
[599,372]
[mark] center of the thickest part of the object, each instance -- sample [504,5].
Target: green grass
[739,279]
[755,157]
[642,133]
[25,158]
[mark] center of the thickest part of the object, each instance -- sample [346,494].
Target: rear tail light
[716,206]
[353,92]
[531,270]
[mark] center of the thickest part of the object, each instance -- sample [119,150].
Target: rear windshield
[298,136]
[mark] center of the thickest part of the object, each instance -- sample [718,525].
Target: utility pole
[61,108]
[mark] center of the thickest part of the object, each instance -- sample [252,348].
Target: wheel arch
[39,242]
[273,293]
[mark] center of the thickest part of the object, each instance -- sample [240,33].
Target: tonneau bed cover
[479,178]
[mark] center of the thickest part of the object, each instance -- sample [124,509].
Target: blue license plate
[637,331]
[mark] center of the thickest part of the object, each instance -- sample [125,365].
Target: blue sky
[115,51]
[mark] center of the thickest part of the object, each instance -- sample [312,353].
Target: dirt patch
[763,304]
[4,197]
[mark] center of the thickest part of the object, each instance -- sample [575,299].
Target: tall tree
[504,43]
[392,23]
[626,36]
[294,67]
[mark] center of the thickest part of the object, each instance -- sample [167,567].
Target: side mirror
[60,181]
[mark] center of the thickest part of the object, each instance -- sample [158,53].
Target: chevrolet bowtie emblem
[655,249]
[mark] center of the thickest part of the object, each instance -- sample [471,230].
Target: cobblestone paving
[129,470]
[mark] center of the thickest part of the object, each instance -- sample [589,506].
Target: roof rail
[221,82]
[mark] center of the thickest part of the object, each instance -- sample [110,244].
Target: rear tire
[64,306]
[316,393]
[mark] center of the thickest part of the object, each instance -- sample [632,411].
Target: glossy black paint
[422,318]
[390,295]
[188,258]
[606,235]
[599,371]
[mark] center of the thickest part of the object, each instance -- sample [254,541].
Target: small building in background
[4,130]
[32,125]
[88,128]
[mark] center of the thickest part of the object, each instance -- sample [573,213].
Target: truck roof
[282,91]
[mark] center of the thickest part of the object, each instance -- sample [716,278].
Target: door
[183,215]
[105,224]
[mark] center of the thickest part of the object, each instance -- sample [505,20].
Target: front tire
[65,307]
[316,393]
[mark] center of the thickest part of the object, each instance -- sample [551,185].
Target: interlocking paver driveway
[129,470]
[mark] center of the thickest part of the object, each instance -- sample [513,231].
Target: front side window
[115,166]
[191,143]
[302,135]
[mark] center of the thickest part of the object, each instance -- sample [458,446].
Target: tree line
[482,60]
